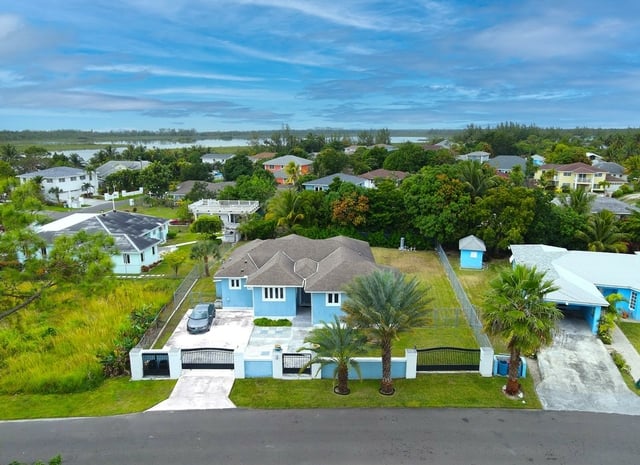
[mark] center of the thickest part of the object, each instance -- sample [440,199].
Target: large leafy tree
[285,208]
[601,233]
[408,157]
[79,259]
[156,178]
[237,166]
[384,304]
[330,161]
[209,225]
[477,177]
[337,344]
[515,310]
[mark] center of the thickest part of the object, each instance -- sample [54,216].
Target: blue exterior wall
[136,261]
[624,306]
[258,369]
[286,308]
[371,368]
[591,315]
[320,311]
[467,261]
[242,297]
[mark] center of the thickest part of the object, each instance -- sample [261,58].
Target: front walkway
[622,345]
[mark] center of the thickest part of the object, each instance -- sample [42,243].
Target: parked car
[201,318]
[177,222]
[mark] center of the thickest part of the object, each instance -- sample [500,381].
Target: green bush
[270,322]
[620,362]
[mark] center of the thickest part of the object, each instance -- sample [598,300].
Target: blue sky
[260,64]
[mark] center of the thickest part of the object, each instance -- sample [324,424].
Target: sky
[216,65]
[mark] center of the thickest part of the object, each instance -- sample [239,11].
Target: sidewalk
[621,344]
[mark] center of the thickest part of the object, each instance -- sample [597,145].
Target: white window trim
[234,283]
[273,294]
[333,304]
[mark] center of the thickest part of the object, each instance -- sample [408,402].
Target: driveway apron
[577,373]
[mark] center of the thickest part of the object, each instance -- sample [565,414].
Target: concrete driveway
[577,373]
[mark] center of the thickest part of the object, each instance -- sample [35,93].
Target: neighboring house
[479,156]
[114,166]
[594,157]
[137,237]
[376,175]
[505,163]
[538,160]
[186,186]
[69,183]
[279,277]
[472,249]
[352,149]
[213,158]
[584,279]
[613,169]
[231,212]
[277,167]
[578,175]
[615,206]
[259,157]
[323,184]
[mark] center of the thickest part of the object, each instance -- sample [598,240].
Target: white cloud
[159,71]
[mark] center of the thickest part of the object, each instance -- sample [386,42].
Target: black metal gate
[292,363]
[155,364]
[207,358]
[448,359]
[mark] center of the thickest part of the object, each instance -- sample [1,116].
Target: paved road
[353,436]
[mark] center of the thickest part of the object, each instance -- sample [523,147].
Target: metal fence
[158,324]
[465,303]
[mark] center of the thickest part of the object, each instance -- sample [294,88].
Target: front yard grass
[115,396]
[632,331]
[461,390]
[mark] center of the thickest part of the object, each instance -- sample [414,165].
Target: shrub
[270,322]
[620,362]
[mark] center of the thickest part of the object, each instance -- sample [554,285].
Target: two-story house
[575,176]
[277,167]
[63,183]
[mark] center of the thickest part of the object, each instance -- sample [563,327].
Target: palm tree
[285,208]
[601,233]
[56,191]
[203,250]
[293,173]
[516,310]
[384,304]
[476,177]
[609,317]
[579,200]
[336,344]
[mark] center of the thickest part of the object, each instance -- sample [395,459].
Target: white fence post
[276,360]
[238,364]
[316,371]
[175,363]
[135,361]
[486,361]
[411,356]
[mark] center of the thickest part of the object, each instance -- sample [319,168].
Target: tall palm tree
[477,178]
[384,304]
[293,173]
[515,309]
[205,250]
[285,208]
[336,344]
[579,200]
[601,233]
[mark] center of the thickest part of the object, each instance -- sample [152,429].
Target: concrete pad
[578,373]
[200,390]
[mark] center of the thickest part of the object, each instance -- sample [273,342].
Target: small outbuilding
[472,250]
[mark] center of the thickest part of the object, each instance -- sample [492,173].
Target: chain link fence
[465,303]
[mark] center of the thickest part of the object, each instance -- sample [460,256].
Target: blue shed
[472,249]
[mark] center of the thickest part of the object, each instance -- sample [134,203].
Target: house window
[43,252]
[473,254]
[632,300]
[142,257]
[153,250]
[82,178]
[566,173]
[234,283]
[49,181]
[333,298]
[72,178]
[60,179]
[273,293]
[126,258]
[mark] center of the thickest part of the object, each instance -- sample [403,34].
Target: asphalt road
[354,437]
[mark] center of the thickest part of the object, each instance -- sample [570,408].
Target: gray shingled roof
[315,264]
[55,172]
[472,243]
[127,229]
[327,180]
[114,166]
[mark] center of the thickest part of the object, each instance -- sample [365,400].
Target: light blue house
[280,278]
[584,279]
[137,237]
[472,250]
[323,184]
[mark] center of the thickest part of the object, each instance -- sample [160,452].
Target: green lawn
[114,397]
[427,390]
[632,331]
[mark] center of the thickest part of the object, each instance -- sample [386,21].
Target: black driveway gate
[207,358]
[291,363]
[448,359]
[155,364]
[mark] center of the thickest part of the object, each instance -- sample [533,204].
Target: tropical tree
[579,200]
[285,209]
[56,191]
[384,304]
[601,233]
[209,225]
[478,178]
[609,317]
[205,250]
[515,309]
[335,343]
